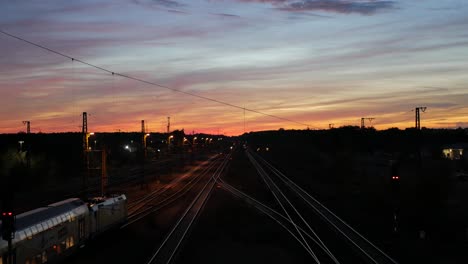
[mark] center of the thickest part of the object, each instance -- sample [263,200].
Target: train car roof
[43,218]
[105,201]
[41,214]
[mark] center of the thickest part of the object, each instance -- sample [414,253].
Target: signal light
[395,177]
[8,225]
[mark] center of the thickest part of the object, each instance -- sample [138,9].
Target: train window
[34,230]
[59,249]
[70,242]
[21,235]
[38,259]
[81,228]
[63,245]
[44,257]
[28,233]
[39,228]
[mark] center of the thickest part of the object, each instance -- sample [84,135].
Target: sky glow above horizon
[312,61]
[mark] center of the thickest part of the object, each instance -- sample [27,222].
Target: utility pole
[143,135]
[84,130]
[368,119]
[28,142]
[103,172]
[244,120]
[28,126]
[418,116]
[168,124]
[168,131]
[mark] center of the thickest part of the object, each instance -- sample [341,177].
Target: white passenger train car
[106,213]
[48,234]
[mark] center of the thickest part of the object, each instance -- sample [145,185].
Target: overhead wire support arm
[418,116]
[152,83]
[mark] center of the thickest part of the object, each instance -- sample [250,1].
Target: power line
[149,82]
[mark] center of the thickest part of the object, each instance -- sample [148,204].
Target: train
[49,234]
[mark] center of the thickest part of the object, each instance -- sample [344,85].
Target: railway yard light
[21,142]
[144,140]
[87,140]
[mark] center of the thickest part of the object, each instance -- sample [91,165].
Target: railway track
[283,221]
[139,202]
[166,251]
[369,252]
[162,197]
[318,250]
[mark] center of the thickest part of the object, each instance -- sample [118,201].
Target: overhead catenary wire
[150,82]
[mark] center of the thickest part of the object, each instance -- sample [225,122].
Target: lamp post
[169,141]
[144,144]
[144,140]
[87,140]
[21,145]
[86,163]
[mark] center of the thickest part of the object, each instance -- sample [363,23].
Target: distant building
[455,151]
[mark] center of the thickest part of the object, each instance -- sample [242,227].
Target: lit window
[70,242]
[1,261]
[44,257]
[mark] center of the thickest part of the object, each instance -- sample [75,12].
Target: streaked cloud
[363,7]
[226,15]
[303,60]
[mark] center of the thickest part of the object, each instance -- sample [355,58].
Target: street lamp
[144,140]
[169,141]
[87,140]
[144,144]
[21,145]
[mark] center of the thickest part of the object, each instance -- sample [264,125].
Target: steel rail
[264,176]
[145,199]
[194,213]
[304,195]
[300,216]
[276,216]
[167,200]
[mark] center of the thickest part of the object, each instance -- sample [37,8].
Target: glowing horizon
[318,62]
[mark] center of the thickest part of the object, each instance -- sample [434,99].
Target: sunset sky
[311,61]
